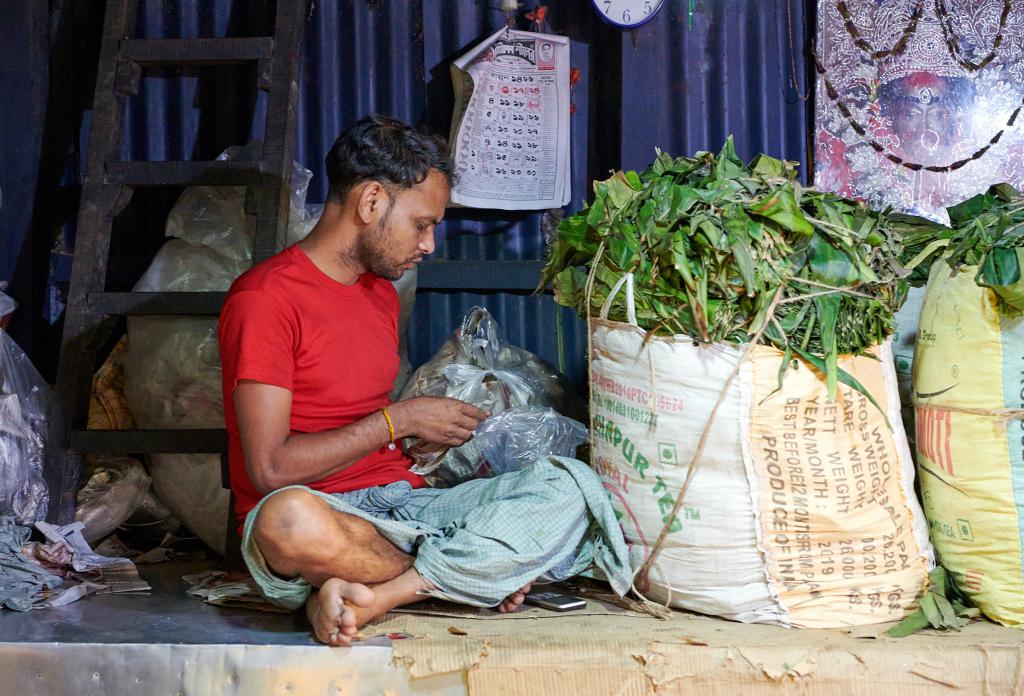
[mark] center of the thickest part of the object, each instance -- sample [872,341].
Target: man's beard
[372,251]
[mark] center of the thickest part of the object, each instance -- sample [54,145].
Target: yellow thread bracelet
[391,429]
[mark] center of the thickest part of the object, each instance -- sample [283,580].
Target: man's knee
[288,521]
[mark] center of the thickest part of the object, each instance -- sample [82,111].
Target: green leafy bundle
[711,241]
[942,607]
[987,231]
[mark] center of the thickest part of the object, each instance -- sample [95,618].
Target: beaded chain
[863,44]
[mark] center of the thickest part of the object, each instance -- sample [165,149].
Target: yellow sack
[968,392]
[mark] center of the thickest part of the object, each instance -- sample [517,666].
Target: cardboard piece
[630,655]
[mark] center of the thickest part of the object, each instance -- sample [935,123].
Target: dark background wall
[682,82]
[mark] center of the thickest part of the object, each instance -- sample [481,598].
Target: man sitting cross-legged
[309,350]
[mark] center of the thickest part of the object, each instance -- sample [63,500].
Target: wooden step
[156,52]
[185,173]
[178,441]
[153,303]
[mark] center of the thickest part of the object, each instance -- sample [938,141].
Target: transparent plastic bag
[25,399]
[476,366]
[512,440]
[515,439]
[114,491]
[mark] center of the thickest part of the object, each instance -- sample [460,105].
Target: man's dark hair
[378,148]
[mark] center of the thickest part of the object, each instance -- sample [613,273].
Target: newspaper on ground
[68,547]
[510,126]
[226,589]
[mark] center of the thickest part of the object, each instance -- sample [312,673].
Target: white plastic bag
[24,401]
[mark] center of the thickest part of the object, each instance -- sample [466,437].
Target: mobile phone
[555,601]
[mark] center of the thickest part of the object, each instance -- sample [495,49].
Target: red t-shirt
[335,346]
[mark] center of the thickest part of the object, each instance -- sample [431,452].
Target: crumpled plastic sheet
[21,579]
[25,398]
[477,366]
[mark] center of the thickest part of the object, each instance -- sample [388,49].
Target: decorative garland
[954,45]
[833,94]
[862,43]
[945,21]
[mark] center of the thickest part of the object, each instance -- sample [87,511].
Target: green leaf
[745,263]
[1001,271]
[768,167]
[597,213]
[645,220]
[830,265]
[931,610]
[622,188]
[970,209]
[949,617]
[828,316]
[781,207]
[569,285]
[925,253]
[683,199]
[844,377]
[912,624]
[787,358]
[681,260]
[728,165]
[575,233]
[939,580]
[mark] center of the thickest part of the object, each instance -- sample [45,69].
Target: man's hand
[436,419]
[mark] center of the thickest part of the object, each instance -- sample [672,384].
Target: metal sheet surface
[90,669]
[731,67]
[164,642]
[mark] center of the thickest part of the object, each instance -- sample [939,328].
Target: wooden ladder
[107,187]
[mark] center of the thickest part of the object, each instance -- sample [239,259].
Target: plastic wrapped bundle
[476,366]
[24,400]
[113,493]
[517,438]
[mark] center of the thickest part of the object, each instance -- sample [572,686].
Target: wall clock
[627,14]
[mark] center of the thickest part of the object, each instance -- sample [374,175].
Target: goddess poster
[919,101]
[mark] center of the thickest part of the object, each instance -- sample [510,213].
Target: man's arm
[275,458]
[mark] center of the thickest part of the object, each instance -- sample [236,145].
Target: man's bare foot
[514,600]
[343,608]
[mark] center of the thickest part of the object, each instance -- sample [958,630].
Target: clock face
[627,13]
